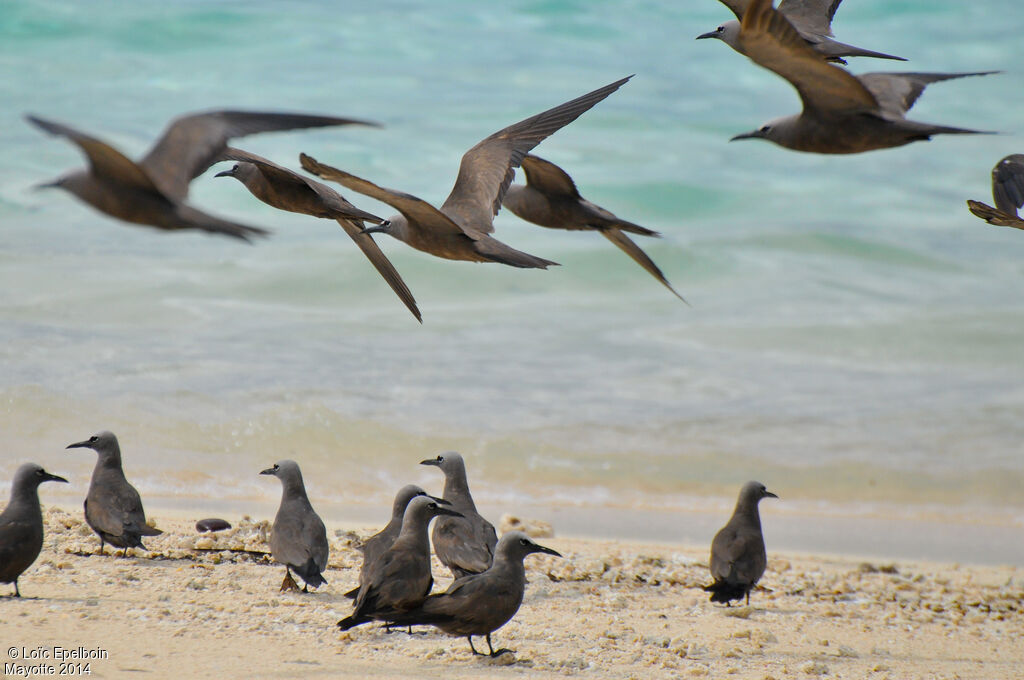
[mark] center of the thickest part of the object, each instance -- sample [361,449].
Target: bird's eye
[720,29]
[94,438]
[432,506]
[765,128]
[39,472]
[523,541]
[440,459]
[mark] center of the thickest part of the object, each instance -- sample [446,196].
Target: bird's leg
[305,588]
[124,552]
[503,650]
[410,630]
[748,598]
[101,546]
[288,583]
[17,593]
[475,653]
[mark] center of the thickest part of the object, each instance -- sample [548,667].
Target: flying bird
[842,113]
[550,199]
[1008,192]
[287,190]
[461,229]
[153,191]
[812,19]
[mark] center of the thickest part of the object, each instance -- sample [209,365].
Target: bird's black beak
[46,185]
[709,34]
[769,494]
[430,461]
[543,549]
[748,135]
[78,445]
[226,173]
[383,228]
[439,500]
[268,471]
[446,511]
[47,477]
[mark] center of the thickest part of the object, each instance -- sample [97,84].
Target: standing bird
[550,199]
[287,190]
[400,578]
[21,523]
[152,192]
[298,539]
[113,507]
[842,113]
[738,557]
[461,229]
[375,546]
[463,544]
[480,604]
[812,19]
[1008,191]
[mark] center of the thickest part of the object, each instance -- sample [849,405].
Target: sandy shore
[197,607]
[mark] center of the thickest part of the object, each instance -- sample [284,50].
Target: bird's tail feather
[725,592]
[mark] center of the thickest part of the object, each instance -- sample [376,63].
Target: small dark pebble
[212,524]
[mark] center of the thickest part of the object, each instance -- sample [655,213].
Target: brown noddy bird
[480,604]
[113,507]
[152,191]
[463,544]
[550,199]
[738,557]
[461,229]
[812,19]
[21,523]
[842,113]
[298,539]
[375,546]
[1008,192]
[400,578]
[287,190]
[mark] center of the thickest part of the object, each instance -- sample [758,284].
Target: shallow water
[854,336]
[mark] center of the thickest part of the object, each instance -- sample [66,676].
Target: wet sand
[196,606]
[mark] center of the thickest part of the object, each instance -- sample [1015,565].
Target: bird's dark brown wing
[487,169]
[548,178]
[193,142]
[104,160]
[810,16]
[770,40]
[383,266]
[414,209]
[738,7]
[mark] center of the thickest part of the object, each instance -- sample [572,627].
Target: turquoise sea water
[855,336]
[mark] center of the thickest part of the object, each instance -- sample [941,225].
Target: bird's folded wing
[13,535]
[268,167]
[486,170]
[192,143]
[810,16]
[771,41]
[414,209]
[548,178]
[105,160]
[1008,183]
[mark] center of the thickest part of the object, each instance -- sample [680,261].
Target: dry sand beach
[197,607]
